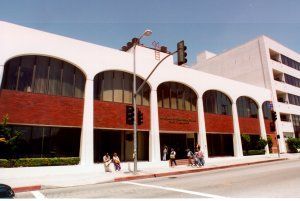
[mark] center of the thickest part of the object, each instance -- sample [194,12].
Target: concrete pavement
[76,175]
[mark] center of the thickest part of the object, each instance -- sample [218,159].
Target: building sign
[176,120]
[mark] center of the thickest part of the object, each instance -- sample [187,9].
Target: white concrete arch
[125,70]
[180,82]
[256,102]
[225,93]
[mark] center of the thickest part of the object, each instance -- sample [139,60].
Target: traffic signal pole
[136,91]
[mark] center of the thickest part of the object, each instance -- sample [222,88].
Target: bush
[261,143]
[256,152]
[245,142]
[36,162]
[293,144]
[4,163]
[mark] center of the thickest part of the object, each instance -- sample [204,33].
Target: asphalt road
[270,180]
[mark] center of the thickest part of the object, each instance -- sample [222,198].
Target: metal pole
[135,113]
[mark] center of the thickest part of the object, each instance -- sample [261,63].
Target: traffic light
[274,116]
[272,127]
[181,54]
[140,118]
[129,115]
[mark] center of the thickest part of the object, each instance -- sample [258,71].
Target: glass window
[247,107]
[108,86]
[187,99]
[180,99]
[79,84]
[216,102]
[25,74]
[55,77]
[41,75]
[146,95]
[68,80]
[118,86]
[128,79]
[173,88]
[166,95]
[193,101]
[11,72]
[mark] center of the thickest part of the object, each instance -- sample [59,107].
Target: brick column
[263,132]
[154,141]
[202,130]
[237,142]
[87,131]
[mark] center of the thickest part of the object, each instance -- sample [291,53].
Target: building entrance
[179,142]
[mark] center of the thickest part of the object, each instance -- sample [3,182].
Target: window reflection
[246,107]
[39,141]
[40,74]
[116,86]
[176,96]
[216,102]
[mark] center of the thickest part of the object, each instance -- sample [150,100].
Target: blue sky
[214,25]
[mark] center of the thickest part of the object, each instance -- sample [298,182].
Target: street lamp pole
[146,33]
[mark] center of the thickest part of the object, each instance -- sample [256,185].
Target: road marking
[174,189]
[38,195]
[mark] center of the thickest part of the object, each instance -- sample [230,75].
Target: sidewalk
[76,175]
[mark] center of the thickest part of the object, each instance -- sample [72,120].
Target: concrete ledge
[27,188]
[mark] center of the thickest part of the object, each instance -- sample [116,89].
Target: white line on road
[38,195]
[174,189]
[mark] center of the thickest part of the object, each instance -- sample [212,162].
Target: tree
[261,143]
[9,139]
[246,142]
[270,144]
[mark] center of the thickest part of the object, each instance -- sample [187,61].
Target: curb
[27,188]
[191,171]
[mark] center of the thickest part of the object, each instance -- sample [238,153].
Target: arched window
[116,86]
[267,110]
[176,96]
[216,102]
[41,74]
[246,107]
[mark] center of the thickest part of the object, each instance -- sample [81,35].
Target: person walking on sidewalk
[190,157]
[116,162]
[172,157]
[165,152]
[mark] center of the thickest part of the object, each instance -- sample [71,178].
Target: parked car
[6,191]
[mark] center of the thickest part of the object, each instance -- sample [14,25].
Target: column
[1,73]
[202,130]
[154,142]
[87,131]
[263,132]
[237,142]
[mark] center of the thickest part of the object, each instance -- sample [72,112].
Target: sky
[213,25]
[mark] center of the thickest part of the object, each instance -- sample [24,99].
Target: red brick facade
[30,108]
[216,123]
[113,115]
[178,120]
[249,126]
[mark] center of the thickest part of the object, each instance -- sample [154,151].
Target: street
[269,180]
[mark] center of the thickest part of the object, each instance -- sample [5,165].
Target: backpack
[190,154]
